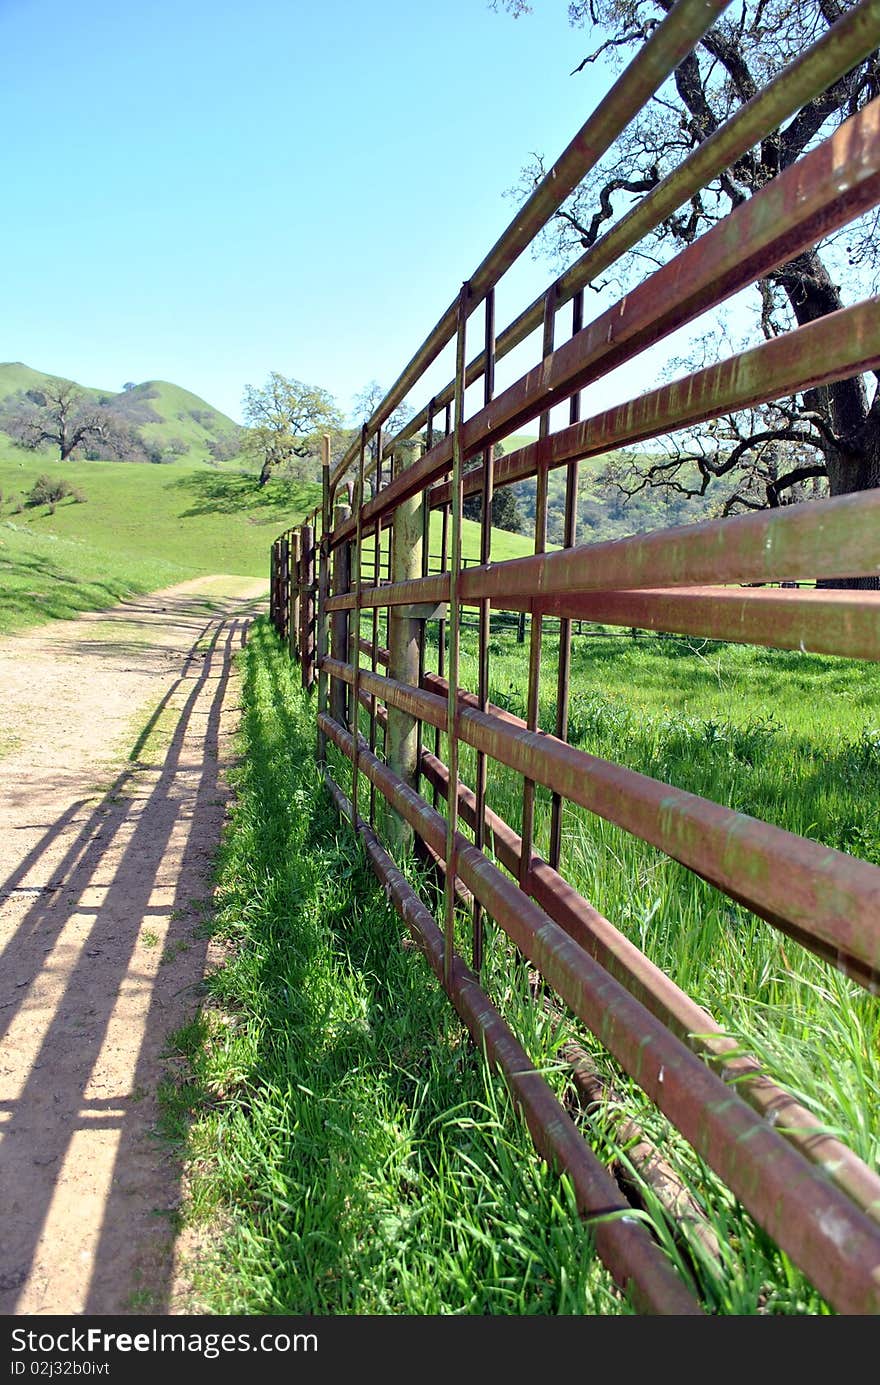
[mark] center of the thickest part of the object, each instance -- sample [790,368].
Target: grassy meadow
[137,526]
[792,739]
[378,1168]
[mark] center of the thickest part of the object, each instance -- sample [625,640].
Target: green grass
[793,739]
[345,1131]
[790,738]
[143,526]
[196,518]
[43,576]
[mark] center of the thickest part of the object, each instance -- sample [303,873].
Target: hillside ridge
[170,419]
[14,372]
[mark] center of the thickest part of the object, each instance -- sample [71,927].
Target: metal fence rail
[355,616]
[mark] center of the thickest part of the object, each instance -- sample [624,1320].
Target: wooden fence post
[283,586]
[307,606]
[295,578]
[339,621]
[272,553]
[321,616]
[407,531]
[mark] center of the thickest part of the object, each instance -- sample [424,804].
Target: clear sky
[204,191]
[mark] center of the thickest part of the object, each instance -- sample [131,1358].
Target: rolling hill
[176,421]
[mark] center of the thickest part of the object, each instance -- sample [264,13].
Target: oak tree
[284,423]
[820,440]
[58,414]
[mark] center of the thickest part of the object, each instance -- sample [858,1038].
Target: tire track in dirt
[112,803]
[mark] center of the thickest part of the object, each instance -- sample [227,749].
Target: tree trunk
[854,465]
[265,473]
[857,468]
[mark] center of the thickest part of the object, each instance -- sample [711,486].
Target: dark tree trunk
[853,464]
[857,469]
[265,473]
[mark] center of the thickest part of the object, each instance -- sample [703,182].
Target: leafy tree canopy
[285,420]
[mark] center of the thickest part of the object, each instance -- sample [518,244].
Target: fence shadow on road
[103,965]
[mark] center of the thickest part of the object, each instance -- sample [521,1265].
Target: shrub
[45,491]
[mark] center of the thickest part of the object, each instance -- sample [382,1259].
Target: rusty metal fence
[401,724]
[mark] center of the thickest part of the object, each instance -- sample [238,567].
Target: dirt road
[114,735]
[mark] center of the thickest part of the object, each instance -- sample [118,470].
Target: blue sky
[204,192]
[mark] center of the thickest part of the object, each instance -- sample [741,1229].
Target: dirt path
[114,733]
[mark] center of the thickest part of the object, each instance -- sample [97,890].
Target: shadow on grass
[229,493]
[320,969]
[360,1165]
[33,591]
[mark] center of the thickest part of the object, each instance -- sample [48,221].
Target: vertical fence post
[441,624]
[307,606]
[289,586]
[426,564]
[563,675]
[346,506]
[321,616]
[283,585]
[484,616]
[536,633]
[354,635]
[340,621]
[272,584]
[374,620]
[401,743]
[279,567]
[295,583]
[455,632]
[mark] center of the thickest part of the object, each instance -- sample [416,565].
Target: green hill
[179,415]
[16,377]
[174,420]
